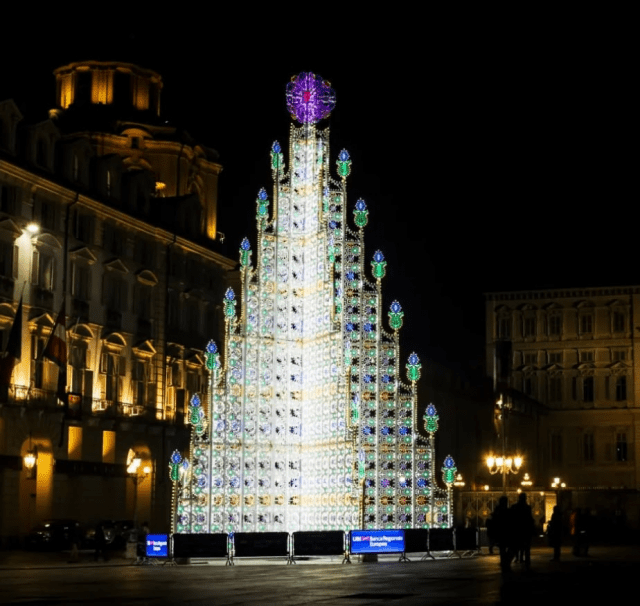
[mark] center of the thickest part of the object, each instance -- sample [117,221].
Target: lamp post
[30,459]
[134,462]
[504,465]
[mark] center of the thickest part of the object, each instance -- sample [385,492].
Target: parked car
[116,533]
[54,535]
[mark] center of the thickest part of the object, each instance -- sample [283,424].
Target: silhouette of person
[554,532]
[522,529]
[500,522]
[101,543]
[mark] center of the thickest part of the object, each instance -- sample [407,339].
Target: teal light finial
[360,213]
[395,316]
[245,253]
[277,158]
[378,265]
[344,164]
[413,368]
[431,420]
[229,303]
[263,206]
[449,471]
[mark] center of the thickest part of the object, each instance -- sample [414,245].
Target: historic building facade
[576,351]
[109,214]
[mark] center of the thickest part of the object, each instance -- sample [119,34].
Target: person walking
[522,529]
[554,533]
[500,523]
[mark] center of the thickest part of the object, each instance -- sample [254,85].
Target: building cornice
[68,196]
[562,293]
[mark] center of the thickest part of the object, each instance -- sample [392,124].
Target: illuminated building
[574,350]
[125,210]
[309,424]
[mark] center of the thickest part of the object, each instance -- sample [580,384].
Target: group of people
[512,529]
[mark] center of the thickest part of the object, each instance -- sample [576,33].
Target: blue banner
[377,541]
[157,546]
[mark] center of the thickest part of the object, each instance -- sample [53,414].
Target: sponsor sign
[157,546]
[377,541]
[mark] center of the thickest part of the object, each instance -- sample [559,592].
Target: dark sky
[490,157]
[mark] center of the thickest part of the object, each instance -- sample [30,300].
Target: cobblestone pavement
[35,578]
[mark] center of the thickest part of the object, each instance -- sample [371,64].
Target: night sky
[488,160]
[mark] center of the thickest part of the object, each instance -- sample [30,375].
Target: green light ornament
[196,414]
[229,303]
[344,164]
[174,466]
[413,368]
[277,158]
[378,265]
[245,252]
[361,465]
[211,356]
[431,419]
[360,213]
[263,206]
[449,471]
[395,316]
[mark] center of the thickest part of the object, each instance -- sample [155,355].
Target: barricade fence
[288,546]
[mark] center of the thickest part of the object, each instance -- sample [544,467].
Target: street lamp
[133,464]
[30,459]
[459,483]
[504,465]
[526,481]
[558,484]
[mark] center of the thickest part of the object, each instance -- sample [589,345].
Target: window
[81,281]
[112,366]
[116,292]
[83,227]
[48,215]
[555,324]
[8,199]
[619,355]
[621,389]
[529,327]
[143,383]
[587,389]
[586,356]
[588,448]
[504,328]
[113,239]
[8,260]
[144,252]
[44,265]
[556,448]
[530,358]
[78,367]
[555,389]
[621,446]
[618,321]
[586,324]
[108,446]
[555,357]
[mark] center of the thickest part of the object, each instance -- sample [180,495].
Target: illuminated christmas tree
[307,424]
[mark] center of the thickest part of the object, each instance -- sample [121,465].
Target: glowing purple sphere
[309,98]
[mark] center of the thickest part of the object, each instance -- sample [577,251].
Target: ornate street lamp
[30,459]
[504,465]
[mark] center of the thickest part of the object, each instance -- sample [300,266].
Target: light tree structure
[307,423]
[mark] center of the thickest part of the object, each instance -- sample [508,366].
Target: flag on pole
[56,347]
[56,351]
[13,351]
